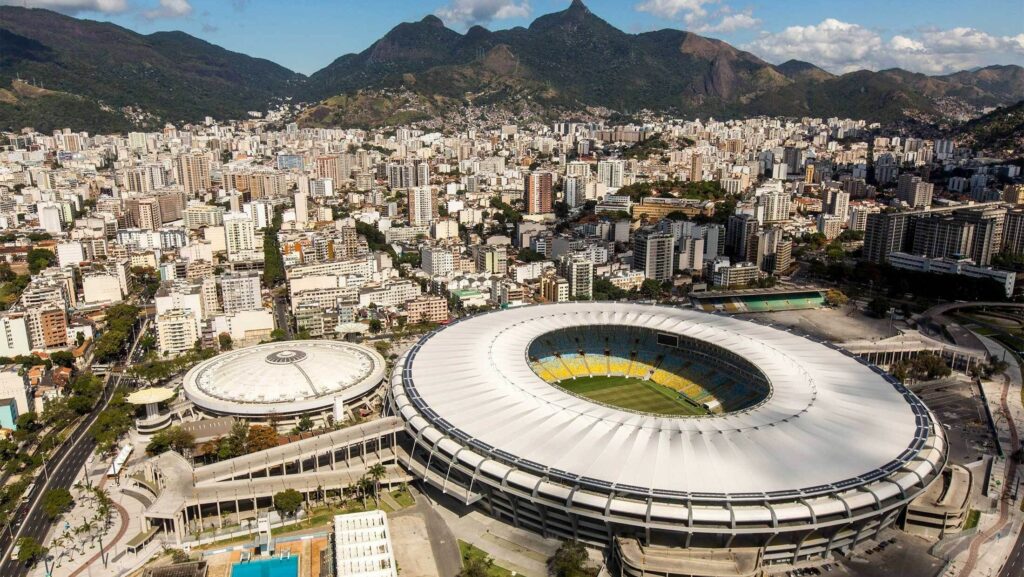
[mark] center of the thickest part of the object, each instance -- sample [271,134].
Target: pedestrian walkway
[998,538]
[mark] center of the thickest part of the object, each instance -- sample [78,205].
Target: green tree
[530,255]
[40,258]
[376,473]
[570,560]
[30,551]
[476,566]
[305,424]
[234,444]
[651,289]
[878,307]
[224,340]
[174,439]
[63,359]
[288,502]
[375,326]
[56,502]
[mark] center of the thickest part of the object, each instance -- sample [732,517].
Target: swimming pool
[279,567]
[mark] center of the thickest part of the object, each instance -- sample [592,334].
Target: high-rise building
[942,236]
[885,233]
[575,190]
[422,205]
[691,252]
[739,232]
[437,261]
[200,215]
[653,253]
[537,192]
[579,272]
[193,172]
[240,291]
[989,224]
[301,207]
[1013,232]
[329,166]
[401,176]
[610,173]
[774,251]
[491,259]
[240,237]
[773,207]
[176,331]
[836,202]
[914,191]
[696,168]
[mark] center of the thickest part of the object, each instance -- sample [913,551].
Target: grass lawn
[630,393]
[972,519]
[469,551]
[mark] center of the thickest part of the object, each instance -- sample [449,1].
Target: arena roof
[284,378]
[831,420]
[150,395]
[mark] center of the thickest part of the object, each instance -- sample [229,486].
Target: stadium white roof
[830,421]
[284,378]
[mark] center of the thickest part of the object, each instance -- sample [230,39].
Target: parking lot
[897,554]
[959,408]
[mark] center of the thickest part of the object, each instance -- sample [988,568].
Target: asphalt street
[67,461]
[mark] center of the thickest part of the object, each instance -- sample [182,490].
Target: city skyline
[932,38]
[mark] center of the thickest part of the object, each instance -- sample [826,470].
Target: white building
[181,296]
[177,331]
[390,295]
[362,545]
[14,337]
[240,237]
[437,261]
[101,287]
[610,173]
[69,253]
[241,291]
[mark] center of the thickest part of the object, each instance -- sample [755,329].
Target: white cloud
[73,6]
[844,47]
[731,22]
[469,12]
[691,10]
[169,9]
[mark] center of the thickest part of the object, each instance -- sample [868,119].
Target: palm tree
[363,485]
[376,473]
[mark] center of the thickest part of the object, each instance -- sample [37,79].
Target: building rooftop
[284,378]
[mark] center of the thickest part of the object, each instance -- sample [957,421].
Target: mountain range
[57,71]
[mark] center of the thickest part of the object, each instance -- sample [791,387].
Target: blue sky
[934,37]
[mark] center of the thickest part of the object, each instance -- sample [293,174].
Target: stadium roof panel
[828,419]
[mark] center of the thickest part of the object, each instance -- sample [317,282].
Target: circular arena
[285,379]
[688,442]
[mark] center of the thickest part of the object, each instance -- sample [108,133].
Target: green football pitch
[634,394]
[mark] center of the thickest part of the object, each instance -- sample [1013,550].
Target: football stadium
[286,380]
[689,443]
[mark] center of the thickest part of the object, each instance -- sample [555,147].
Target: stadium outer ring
[787,525]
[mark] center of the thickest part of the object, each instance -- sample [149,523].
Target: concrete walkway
[443,544]
[991,547]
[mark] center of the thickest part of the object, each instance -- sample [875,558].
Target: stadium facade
[801,451]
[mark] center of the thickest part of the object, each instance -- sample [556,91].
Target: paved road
[67,461]
[1014,566]
[281,315]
